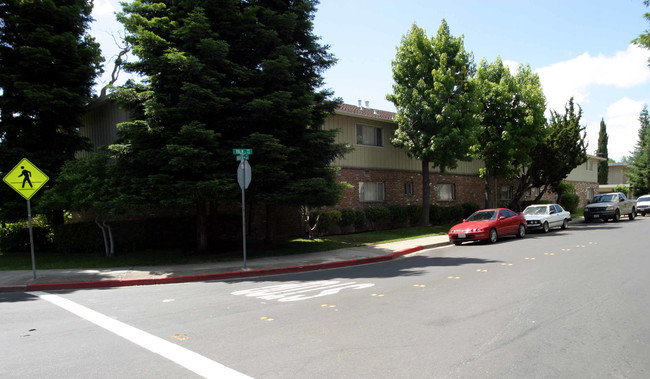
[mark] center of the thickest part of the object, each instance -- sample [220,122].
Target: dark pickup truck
[610,206]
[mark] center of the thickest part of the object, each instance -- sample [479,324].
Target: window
[409,188]
[371,191]
[506,193]
[590,165]
[590,193]
[369,135]
[446,192]
[507,213]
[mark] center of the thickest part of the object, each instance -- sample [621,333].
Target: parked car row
[490,224]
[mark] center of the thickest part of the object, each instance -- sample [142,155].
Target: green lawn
[49,260]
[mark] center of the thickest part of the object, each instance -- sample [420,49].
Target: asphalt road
[565,304]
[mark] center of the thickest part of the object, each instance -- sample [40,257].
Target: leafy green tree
[435,100]
[512,121]
[48,65]
[224,74]
[639,161]
[564,148]
[603,166]
[91,185]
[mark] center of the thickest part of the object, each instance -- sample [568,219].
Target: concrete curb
[217,276]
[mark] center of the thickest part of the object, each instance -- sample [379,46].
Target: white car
[643,204]
[546,216]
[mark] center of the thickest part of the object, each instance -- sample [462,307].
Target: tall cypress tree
[603,166]
[639,169]
[224,74]
[48,65]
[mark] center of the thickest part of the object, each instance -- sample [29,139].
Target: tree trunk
[489,196]
[107,251]
[426,194]
[202,213]
[111,250]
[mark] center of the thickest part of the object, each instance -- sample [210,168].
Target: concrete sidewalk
[16,281]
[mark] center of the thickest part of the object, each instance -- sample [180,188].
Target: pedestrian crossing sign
[26,179]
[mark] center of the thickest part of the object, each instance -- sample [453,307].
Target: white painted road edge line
[180,355]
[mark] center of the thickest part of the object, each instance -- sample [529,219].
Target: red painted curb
[207,277]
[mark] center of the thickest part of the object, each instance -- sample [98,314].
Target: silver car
[546,216]
[643,204]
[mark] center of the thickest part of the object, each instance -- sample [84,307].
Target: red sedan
[488,224]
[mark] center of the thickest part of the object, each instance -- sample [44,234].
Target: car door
[554,216]
[509,225]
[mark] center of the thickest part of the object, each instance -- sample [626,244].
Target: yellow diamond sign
[26,179]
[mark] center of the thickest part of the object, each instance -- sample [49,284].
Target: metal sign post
[244,180]
[27,179]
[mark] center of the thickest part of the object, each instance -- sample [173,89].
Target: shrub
[469,208]
[569,201]
[435,214]
[377,213]
[360,219]
[15,237]
[398,213]
[413,212]
[348,217]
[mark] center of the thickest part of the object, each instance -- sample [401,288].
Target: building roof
[364,112]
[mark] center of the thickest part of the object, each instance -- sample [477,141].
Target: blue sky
[579,48]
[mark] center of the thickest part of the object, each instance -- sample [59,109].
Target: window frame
[380,190]
[378,134]
[439,192]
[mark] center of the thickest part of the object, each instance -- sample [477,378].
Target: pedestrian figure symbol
[26,174]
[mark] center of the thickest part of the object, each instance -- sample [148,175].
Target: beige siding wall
[586,172]
[386,157]
[616,175]
[100,124]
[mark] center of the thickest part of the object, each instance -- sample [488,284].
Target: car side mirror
[502,218]
[464,220]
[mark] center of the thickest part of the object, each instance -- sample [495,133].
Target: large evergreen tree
[48,65]
[224,74]
[639,169]
[603,166]
[435,100]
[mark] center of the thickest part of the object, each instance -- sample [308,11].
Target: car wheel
[458,243]
[545,227]
[632,215]
[522,231]
[643,214]
[587,220]
[565,224]
[617,216]
[493,236]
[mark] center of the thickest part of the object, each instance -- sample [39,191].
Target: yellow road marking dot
[181,337]
[332,306]
[530,259]
[323,305]
[419,285]
[378,294]
[482,270]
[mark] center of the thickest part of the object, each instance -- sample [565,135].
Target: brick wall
[468,188]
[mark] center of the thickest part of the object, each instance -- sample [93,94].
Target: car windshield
[604,198]
[535,211]
[483,216]
[644,198]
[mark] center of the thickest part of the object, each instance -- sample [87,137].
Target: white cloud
[103,8]
[576,77]
[622,120]
[512,66]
